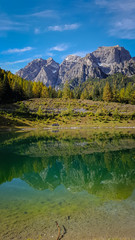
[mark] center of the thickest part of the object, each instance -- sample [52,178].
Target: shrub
[68,112]
[39,111]
[116,114]
[23,108]
[99,112]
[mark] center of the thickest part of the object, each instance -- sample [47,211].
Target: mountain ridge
[99,64]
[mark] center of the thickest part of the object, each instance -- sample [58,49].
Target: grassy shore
[46,113]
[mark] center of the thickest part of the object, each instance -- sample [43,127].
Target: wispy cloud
[58,28]
[7,24]
[65,27]
[45,14]
[41,14]
[59,48]
[117,5]
[81,53]
[26,21]
[122,18]
[37,31]
[125,24]
[50,54]
[16,62]
[38,56]
[17,50]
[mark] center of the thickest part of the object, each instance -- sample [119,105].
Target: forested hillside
[115,88]
[13,88]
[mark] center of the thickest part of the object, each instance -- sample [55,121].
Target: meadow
[57,112]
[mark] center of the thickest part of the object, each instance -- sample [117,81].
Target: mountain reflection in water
[84,180]
[103,165]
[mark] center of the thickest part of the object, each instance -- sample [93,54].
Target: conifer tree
[122,95]
[107,94]
[45,92]
[115,93]
[84,94]
[66,90]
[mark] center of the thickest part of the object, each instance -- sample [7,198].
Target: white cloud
[16,62]
[41,14]
[65,27]
[123,28]
[24,22]
[36,30]
[38,56]
[17,50]
[50,54]
[45,14]
[122,18]
[59,48]
[117,5]
[55,28]
[81,53]
[6,24]
[125,24]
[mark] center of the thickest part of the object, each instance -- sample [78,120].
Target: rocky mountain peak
[51,63]
[50,60]
[109,55]
[39,61]
[98,64]
[45,71]
[72,58]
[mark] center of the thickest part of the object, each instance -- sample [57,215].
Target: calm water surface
[84,180]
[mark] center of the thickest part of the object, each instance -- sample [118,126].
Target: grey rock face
[98,64]
[48,73]
[32,69]
[66,66]
[45,71]
[86,67]
[111,59]
[74,67]
[128,67]
[109,55]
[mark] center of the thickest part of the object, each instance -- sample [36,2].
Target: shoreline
[67,127]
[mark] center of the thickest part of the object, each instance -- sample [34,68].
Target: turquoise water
[83,180]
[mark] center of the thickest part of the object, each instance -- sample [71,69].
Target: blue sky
[32,29]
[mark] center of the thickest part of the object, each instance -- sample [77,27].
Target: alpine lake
[80,182]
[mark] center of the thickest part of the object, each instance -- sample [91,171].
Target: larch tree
[107,94]
[66,90]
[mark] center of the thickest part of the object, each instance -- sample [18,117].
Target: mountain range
[98,64]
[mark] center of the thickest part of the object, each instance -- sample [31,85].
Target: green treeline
[115,88]
[13,88]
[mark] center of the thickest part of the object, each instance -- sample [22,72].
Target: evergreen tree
[84,94]
[7,92]
[128,92]
[37,89]
[59,94]
[45,92]
[107,94]
[115,93]
[95,92]
[122,95]
[133,97]
[50,91]
[66,90]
